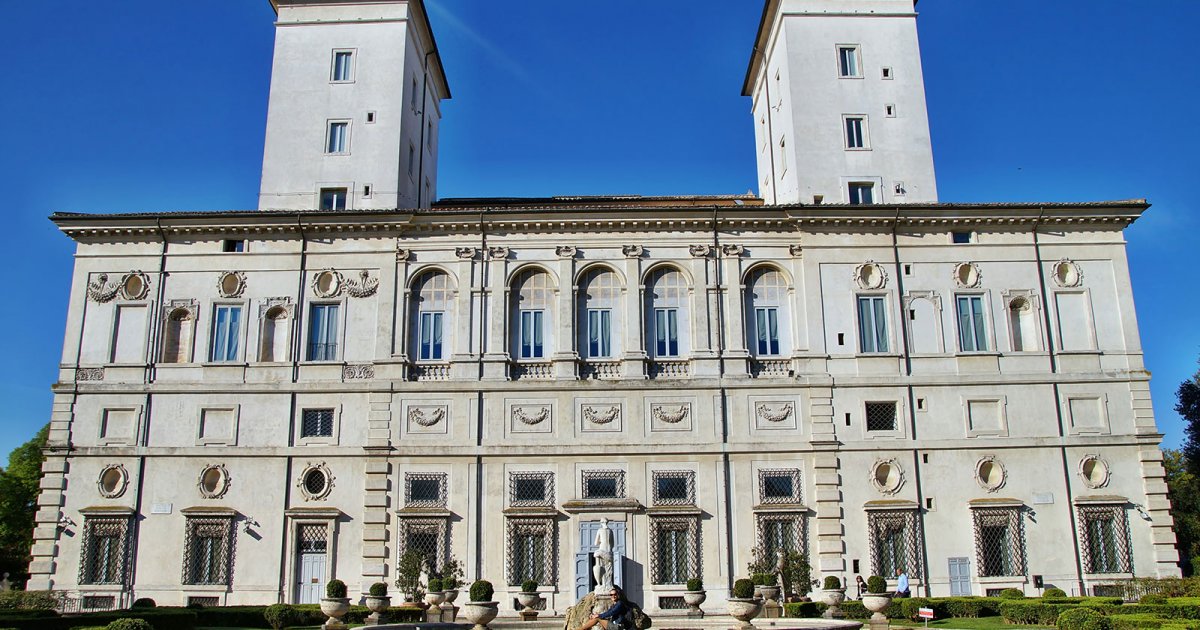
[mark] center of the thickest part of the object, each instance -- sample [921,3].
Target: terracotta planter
[479,613]
[744,609]
[877,603]
[335,608]
[833,598]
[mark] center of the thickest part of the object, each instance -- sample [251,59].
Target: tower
[354,106]
[839,103]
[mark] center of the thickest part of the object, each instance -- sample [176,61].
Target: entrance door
[584,581]
[960,577]
[311,546]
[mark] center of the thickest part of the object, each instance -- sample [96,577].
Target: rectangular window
[766,328]
[780,532]
[599,333]
[343,66]
[856,132]
[333,198]
[323,332]
[105,546]
[426,537]
[881,416]
[603,484]
[674,487]
[531,334]
[848,62]
[425,489]
[225,333]
[961,238]
[531,553]
[338,138]
[999,542]
[532,489]
[230,245]
[1105,533]
[894,542]
[972,331]
[316,423]
[872,324]
[674,553]
[431,336]
[862,193]
[666,332]
[779,486]
[207,550]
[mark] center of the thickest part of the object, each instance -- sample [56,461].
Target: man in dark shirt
[613,618]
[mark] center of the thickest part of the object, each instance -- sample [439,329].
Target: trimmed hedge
[1034,612]
[306,615]
[159,618]
[1083,618]
[28,600]
[804,610]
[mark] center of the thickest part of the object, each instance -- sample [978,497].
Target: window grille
[315,482]
[999,541]
[895,543]
[98,602]
[781,532]
[428,537]
[532,552]
[674,487]
[602,484]
[208,550]
[779,486]
[425,490]
[105,557]
[1104,538]
[313,539]
[672,602]
[674,549]
[881,416]
[316,423]
[531,489]
[203,601]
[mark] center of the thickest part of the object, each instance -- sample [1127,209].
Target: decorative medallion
[633,251]
[700,251]
[101,290]
[870,275]
[1095,471]
[887,476]
[967,275]
[113,481]
[365,286]
[566,251]
[733,250]
[327,283]
[520,415]
[778,414]
[595,416]
[465,253]
[498,253]
[213,482]
[1067,273]
[990,473]
[358,371]
[231,284]
[316,482]
[417,415]
[662,414]
[89,374]
[135,285]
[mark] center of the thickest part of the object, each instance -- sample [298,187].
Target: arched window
[766,293]
[274,346]
[532,298]
[1024,326]
[431,300]
[599,295]
[667,295]
[177,338]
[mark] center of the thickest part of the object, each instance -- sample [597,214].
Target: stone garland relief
[134,285]
[595,416]
[520,414]
[771,413]
[330,283]
[426,416]
[667,414]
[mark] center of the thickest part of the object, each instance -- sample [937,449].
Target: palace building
[251,403]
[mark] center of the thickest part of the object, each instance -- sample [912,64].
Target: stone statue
[4,586]
[603,571]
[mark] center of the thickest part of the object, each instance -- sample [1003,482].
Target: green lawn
[965,623]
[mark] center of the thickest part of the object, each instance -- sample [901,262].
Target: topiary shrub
[378,589]
[281,616]
[804,610]
[876,585]
[435,585]
[764,579]
[1083,619]
[832,582]
[695,584]
[28,600]
[1012,593]
[1153,599]
[743,589]
[335,589]
[144,602]
[481,591]
[529,586]
[126,623]
[1054,593]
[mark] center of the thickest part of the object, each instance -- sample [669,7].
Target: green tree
[1184,490]
[18,502]
[1187,404]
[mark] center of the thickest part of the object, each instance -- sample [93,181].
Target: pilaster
[376,501]
[1158,508]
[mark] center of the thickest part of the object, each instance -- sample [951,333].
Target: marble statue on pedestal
[603,570]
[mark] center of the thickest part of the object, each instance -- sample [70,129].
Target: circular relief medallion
[1067,273]
[232,284]
[990,473]
[1094,471]
[870,275]
[967,275]
[327,283]
[887,476]
[214,482]
[134,285]
[112,481]
[315,482]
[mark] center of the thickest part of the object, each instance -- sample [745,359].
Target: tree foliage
[18,502]
[1187,404]
[1184,491]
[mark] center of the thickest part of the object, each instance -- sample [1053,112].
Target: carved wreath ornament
[520,415]
[765,412]
[132,286]
[417,415]
[330,283]
[671,417]
[597,417]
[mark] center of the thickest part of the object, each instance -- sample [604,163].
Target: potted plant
[528,597]
[876,600]
[335,604]
[795,575]
[408,578]
[378,601]
[452,575]
[832,596]
[694,596]
[743,606]
[766,586]
[482,609]
[434,595]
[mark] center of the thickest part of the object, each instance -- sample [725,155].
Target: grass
[965,623]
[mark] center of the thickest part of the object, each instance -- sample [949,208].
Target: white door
[310,564]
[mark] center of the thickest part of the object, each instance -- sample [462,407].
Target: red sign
[925,613]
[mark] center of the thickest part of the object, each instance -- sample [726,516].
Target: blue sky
[144,106]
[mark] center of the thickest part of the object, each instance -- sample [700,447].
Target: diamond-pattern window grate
[999,541]
[602,484]
[314,538]
[781,532]
[532,551]
[429,537]
[895,542]
[881,416]
[1104,539]
[425,490]
[531,489]
[674,487]
[674,549]
[105,551]
[208,550]
[316,423]
[779,486]
[315,482]
[672,602]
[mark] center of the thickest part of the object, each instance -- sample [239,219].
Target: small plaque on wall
[161,508]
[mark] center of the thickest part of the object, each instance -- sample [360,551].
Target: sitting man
[901,584]
[614,617]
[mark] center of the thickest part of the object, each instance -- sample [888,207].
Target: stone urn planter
[377,605]
[528,599]
[451,595]
[335,608]
[693,599]
[479,613]
[435,598]
[744,609]
[877,603]
[833,598]
[768,593]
